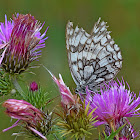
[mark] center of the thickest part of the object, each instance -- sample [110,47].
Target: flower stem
[18,87]
[112,124]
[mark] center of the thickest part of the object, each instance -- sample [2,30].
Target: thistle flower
[114,104]
[68,100]
[33,86]
[20,42]
[75,120]
[31,118]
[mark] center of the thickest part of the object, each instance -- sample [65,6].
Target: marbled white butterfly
[93,58]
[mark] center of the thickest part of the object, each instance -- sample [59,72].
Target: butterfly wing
[93,58]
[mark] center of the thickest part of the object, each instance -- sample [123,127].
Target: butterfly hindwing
[93,58]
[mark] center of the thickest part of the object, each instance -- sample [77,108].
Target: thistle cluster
[20,44]
[77,115]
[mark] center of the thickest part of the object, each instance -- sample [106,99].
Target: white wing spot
[83,39]
[103,40]
[116,47]
[119,55]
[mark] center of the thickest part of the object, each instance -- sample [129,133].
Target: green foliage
[54,134]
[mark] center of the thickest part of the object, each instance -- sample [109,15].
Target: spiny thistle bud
[33,86]
[36,96]
[20,42]
[75,119]
[31,119]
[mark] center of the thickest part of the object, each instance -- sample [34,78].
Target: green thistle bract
[5,84]
[77,123]
[37,98]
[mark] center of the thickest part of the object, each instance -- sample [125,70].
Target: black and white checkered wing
[93,58]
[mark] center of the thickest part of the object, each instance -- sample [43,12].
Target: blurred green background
[123,17]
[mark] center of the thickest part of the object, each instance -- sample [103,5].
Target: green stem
[18,87]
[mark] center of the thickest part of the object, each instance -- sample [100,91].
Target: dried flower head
[20,109]
[20,42]
[32,119]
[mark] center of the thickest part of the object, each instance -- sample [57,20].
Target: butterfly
[93,58]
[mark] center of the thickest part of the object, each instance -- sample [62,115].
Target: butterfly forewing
[93,58]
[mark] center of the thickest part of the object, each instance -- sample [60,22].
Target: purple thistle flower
[33,86]
[114,103]
[20,42]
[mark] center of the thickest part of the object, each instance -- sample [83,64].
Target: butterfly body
[93,58]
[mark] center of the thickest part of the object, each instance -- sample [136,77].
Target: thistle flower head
[75,120]
[36,96]
[114,103]
[125,133]
[77,124]
[20,42]
[33,86]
